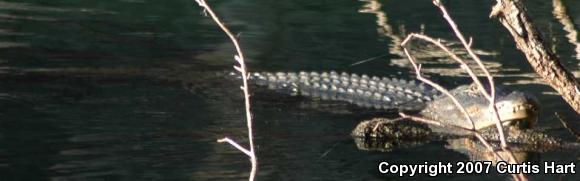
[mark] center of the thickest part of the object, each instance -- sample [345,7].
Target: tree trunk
[513,16]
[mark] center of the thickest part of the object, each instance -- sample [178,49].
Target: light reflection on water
[79,128]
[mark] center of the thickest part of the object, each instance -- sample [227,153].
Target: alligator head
[515,109]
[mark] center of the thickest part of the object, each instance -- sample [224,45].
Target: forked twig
[243,70]
[417,68]
[489,96]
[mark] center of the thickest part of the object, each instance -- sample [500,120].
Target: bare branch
[528,40]
[489,96]
[457,104]
[243,70]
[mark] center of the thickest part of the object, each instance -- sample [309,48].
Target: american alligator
[514,108]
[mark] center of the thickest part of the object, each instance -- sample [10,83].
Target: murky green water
[140,123]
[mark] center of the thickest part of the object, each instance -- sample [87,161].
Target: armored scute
[380,93]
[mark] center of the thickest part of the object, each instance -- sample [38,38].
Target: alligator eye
[521,123]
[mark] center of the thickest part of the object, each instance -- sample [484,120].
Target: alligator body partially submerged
[514,107]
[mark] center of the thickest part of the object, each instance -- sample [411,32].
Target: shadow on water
[106,97]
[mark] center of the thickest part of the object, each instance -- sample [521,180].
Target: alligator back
[380,93]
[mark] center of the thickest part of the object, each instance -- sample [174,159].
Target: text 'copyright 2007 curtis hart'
[475,167]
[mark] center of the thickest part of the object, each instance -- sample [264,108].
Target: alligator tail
[380,93]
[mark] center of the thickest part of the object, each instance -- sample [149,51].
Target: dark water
[129,126]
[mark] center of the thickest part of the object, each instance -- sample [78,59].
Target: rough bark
[513,16]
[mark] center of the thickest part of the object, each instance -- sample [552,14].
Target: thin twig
[467,46]
[243,70]
[233,143]
[566,125]
[368,60]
